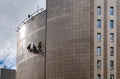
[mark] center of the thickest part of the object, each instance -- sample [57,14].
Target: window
[98,23]
[98,51]
[112,76]
[111,24]
[98,37]
[98,76]
[111,11]
[111,51]
[99,10]
[111,37]
[111,65]
[98,64]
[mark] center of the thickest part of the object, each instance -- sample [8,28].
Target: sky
[12,13]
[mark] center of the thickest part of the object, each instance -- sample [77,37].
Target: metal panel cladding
[29,65]
[69,39]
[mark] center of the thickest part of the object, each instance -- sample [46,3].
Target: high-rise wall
[29,65]
[81,39]
[70,39]
[105,39]
[118,38]
[69,50]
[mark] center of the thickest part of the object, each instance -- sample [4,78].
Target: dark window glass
[98,37]
[98,64]
[98,51]
[111,51]
[111,11]
[111,64]
[111,24]
[99,10]
[98,76]
[98,23]
[111,37]
[112,76]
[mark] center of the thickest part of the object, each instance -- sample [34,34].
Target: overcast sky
[12,12]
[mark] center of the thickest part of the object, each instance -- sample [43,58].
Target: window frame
[99,10]
[111,24]
[98,76]
[98,64]
[111,51]
[99,23]
[98,51]
[111,76]
[111,64]
[111,37]
[98,37]
[111,10]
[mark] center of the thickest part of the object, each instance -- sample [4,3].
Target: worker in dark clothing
[34,49]
[29,48]
[40,46]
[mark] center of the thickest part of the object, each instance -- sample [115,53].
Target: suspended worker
[40,45]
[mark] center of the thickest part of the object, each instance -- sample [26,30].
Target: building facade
[29,65]
[80,40]
[105,39]
[7,74]
[70,39]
